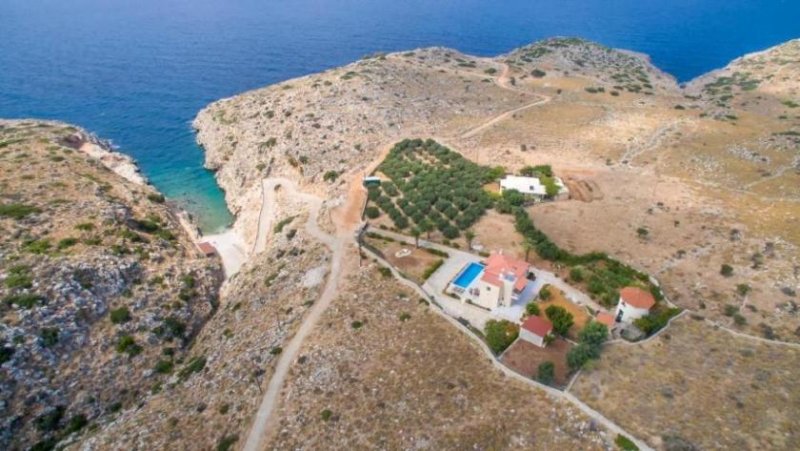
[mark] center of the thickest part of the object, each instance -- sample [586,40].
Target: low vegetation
[499,334]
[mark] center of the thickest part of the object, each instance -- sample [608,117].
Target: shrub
[593,334]
[500,334]
[356,324]
[6,353]
[76,423]
[194,365]
[546,373]
[655,321]
[226,443]
[17,211]
[85,226]
[385,272]
[405,317]
[726,270]
[25,300]
[156,198]
[282,223]
[326,415]
[164,367]
[538,73]
[579,355]
[373,212]
[532,308]
[544,293]
[576,275]
[49,421]
[276,350]
[432,269]
[127,344]
[36,246]
[330,176]
[625,444]
[743,289]
[120,315]
[561,319]
[66,243]
[19,277]
[49,336]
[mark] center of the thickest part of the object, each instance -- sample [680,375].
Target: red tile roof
[636,297]
[605,318]
[206,248]
[537,325]
[499,265]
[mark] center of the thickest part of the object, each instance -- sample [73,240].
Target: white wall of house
[489,296]
[629,312]
[531,337]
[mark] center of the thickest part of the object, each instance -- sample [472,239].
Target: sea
[138,71]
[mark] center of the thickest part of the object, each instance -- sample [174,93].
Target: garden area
[532,361]
[415,263]
[431,189]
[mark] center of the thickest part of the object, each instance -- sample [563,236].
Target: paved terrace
[478,316]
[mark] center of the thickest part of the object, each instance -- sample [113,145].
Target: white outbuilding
[634,303]
[531,186]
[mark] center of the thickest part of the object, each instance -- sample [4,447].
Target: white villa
[531,186]
[634,303]
[498,282]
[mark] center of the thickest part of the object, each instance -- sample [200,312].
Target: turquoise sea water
[137,71]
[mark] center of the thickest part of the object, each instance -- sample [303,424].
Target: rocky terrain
[114,336]
[695,184]
[101,290]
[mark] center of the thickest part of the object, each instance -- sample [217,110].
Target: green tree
[562,320]
[426,227]
[593,334]
[579,355]
[726,270]
[469,235]
[528,244]
[500,334]
[416,232]
[532,308]
[546,373]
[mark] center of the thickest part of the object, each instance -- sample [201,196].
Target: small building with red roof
[634,303]
[606,319]
[207,249]
[535,329]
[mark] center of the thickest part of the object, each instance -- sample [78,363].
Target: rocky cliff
[102,291]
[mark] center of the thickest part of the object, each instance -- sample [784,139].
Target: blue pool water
[137,71]
[469,274]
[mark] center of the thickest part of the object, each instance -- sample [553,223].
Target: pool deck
[477,316]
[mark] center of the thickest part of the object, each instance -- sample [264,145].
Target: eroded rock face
[99,285]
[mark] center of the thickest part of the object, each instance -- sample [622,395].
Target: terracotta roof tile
[636,297]
[537,325]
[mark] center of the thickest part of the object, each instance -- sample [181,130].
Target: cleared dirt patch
[413,264]
[525,358]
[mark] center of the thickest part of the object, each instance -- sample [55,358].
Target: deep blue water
[137,71]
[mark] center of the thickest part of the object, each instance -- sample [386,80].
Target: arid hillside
[101,289]
[695,185]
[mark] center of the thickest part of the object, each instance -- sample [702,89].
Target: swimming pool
[469,274]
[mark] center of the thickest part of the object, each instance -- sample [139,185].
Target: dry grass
[414,383]
[413,265]
[579,314]
[708,387]
[525,358]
